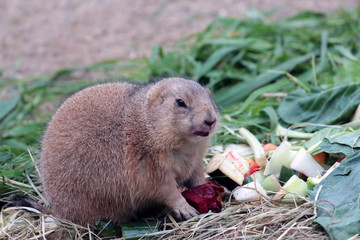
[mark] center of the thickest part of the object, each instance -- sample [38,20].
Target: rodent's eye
[181,103]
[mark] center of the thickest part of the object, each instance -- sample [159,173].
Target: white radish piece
[249,192]
[304,163]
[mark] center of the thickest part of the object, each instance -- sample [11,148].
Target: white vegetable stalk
[260,154]
[250,192]
[284,132]
[282,156]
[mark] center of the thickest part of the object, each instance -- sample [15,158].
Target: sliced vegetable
[231,164]
[294,186]
[280,157]
[250,192]
[258,176]
[306,164]
[286,173]
[215,162]
[260,154]
[270,183]
[138,230]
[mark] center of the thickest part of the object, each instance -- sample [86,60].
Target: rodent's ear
[155,95]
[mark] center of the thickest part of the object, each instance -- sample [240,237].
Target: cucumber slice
[137,230]
[271,183]
[293,186]
[258,176]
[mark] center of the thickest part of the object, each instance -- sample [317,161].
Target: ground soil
[41,36]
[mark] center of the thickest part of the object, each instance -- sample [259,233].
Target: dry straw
[256,220]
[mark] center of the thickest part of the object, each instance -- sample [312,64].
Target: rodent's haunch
[114,150]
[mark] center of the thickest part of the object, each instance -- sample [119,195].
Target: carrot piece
[250,161]
[320,157]
[270,146]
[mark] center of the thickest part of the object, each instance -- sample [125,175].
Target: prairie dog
[113,150]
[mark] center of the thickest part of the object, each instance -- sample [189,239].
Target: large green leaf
[341,218]
[347,144]
[332,106]
[313,144]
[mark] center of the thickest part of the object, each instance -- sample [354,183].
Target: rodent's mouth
[201,133]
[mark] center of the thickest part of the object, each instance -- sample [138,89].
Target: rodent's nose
[209,123]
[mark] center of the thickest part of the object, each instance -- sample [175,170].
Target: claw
[185,212]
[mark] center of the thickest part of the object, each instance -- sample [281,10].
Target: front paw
[184,211]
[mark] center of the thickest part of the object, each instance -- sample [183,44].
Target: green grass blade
[215,58]
[7,105]
[243,89]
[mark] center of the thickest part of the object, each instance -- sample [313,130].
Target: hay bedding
[257,220]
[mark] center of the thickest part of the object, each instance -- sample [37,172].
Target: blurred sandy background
[40,36]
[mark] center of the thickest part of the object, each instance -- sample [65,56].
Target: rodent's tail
[21,200]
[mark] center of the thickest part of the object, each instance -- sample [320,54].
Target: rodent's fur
[113,150]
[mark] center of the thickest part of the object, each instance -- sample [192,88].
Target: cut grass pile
[241,61]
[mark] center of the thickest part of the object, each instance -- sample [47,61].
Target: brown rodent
[113,150]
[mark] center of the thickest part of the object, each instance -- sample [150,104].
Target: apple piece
[304,163]
[280,157]
[231,164]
